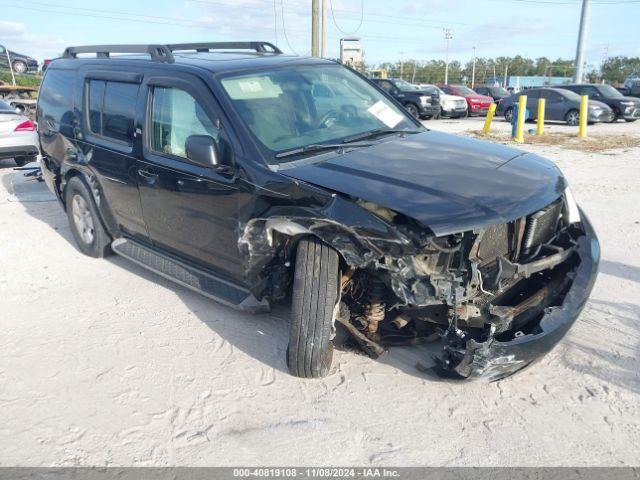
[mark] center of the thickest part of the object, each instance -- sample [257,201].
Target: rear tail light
[27,126]
[47,62]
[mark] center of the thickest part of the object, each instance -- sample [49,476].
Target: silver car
[18,136]
[561,105]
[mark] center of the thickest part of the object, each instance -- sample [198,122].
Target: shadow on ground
[262,336]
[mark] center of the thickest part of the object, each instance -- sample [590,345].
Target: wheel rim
[508,116]
[82,218]
[19,67]
[573,118]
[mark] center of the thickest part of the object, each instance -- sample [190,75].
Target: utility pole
[579,62]
[448,35]
[401,64]
[315,28]
[506,70]
[473,70]
[323,43]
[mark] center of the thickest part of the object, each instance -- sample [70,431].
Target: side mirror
[202,149]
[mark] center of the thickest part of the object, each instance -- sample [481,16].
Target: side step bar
[190,277]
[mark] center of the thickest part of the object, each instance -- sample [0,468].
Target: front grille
[460,103]
[542,225]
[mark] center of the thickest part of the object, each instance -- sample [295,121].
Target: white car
[18,136]
[452,105]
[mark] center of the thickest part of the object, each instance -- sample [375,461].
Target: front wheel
[313,306]
[508,115]
[412,109]
[85,223]
[572,118]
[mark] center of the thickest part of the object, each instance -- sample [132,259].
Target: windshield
[465,91]
[500,91]
[609,91]
[405,86]
[290,108]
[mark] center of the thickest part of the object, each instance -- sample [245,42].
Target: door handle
[148,175]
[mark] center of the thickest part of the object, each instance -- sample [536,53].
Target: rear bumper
[493,359]
[18,151]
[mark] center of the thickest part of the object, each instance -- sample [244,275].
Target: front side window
[175,116]
[284,108]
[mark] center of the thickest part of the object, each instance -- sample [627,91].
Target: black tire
[19,67]
[630,120]
[412,109]
[508,114]
[99,245]
[572,118]
[22,161]
[314,298]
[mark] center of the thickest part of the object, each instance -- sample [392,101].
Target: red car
[478,104]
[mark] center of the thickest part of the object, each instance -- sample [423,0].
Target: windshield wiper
[377,132]
[318,147]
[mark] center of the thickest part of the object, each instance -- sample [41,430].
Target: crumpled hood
[448,183]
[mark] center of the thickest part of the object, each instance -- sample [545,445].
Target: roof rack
[158,53]
[164,53]
[260,47]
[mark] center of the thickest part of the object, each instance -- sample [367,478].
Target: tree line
[612,70]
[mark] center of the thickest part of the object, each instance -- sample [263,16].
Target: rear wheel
[19,67]
[313,306]
[86,226]
[572,118]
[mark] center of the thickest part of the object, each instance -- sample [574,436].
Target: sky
[412,29]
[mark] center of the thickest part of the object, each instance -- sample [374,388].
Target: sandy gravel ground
[102,363]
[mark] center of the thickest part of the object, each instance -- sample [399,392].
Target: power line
[284,28]
[336,23]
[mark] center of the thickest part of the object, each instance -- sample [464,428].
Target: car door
[533,96]
[190,210]
[555,105]
[107,144]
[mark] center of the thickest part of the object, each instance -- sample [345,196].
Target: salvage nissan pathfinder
[254,177]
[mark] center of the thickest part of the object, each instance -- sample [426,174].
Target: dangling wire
[336,23]
[275,21]
[284,28]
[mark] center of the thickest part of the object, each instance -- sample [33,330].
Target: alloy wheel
[82,219]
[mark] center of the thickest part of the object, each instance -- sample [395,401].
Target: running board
[190,277]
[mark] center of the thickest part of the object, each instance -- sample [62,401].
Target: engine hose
[376,308]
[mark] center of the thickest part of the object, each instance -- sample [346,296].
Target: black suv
[419,103]
[20,63]
[255,177]
[627,108]
[497,93]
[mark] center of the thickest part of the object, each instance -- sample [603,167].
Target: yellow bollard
[522,110]
[487,121]
[584,113]
[541,105]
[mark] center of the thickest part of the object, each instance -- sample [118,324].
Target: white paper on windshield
[385,114]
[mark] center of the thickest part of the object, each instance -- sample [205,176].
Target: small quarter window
[175,116]
[96,98]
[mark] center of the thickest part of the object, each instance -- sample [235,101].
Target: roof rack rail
[158,53]
[260,47]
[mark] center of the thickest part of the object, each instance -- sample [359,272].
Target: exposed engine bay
[464,290]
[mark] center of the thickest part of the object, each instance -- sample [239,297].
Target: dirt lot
[102,363]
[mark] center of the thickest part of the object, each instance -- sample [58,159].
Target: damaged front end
[496,298]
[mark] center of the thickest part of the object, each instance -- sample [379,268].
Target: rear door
[556,106]
[532,102]
[110,100]
[190,210]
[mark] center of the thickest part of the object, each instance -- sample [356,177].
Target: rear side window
[112,107]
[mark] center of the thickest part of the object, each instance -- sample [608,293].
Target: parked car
[20,63]
[239,176]
[632,85]
[18,136]
[627,108]
[418,103]
[497,93]
[450,105]
[22,99]
[561,105]
[477,104]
